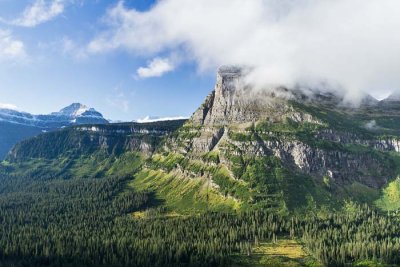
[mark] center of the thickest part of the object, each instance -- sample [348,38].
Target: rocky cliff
[282,145]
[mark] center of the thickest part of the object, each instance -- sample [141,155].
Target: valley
[253,178]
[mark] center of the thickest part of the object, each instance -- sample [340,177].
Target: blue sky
[52,73]
[135,58]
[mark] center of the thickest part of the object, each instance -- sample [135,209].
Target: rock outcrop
[311,135]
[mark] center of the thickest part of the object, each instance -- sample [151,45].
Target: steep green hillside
[282,165]
[113,139]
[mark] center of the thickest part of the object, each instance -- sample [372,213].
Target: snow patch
[154,119]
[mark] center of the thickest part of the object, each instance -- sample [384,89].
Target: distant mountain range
[75,113]
[17,125]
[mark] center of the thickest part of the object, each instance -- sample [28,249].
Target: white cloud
[350,43]
[10,48]
[153,119]
[156,68]
[7,106]
[39,12]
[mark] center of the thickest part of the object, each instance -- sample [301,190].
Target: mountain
[251,172]
[17,125]
[75,113]
[112,139]
[73,110]
[282,149]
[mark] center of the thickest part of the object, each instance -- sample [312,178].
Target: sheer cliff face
[230,102]
[227,104]
[234,102]
[316,138]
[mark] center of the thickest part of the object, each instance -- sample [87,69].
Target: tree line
[47,221]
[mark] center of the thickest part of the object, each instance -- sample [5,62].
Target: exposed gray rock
[234,102]
[234,106]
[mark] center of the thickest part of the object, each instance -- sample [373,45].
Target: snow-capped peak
[75,113]
[73,110]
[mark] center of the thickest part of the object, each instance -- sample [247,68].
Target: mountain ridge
[317,138]
[18,125]
[64,117]
[278,148]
